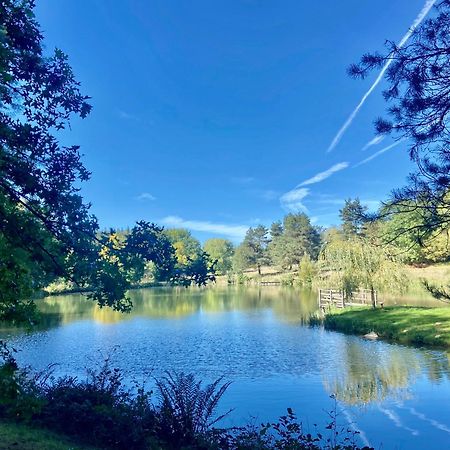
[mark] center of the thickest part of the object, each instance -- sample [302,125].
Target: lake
[397,397]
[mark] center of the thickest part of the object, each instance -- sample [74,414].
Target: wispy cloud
[126,115]
[264,194]
[325,174]
[378,153]
[234,232]
[376,140]
[293,200]
[145,196]
[425,10]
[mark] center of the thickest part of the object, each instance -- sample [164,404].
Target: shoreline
[407,325]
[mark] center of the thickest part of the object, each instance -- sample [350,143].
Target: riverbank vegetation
[100,411]
[405,325]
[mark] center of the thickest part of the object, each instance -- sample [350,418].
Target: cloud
[376,140]
[264,194]
[125,115]
[324,175]
[269,194]
[232,231]
[378,153]
[293,200]
[425,10]
[145,196]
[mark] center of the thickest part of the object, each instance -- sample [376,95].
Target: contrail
[375,141]
[378,153]
[324,175]
[426,8]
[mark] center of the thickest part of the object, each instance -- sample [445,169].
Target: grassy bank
[402,324]
[25,437]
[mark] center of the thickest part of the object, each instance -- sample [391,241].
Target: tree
[356,263]
[241,259]
[254,247]
[353,217]
[46,230]
[402,232]
[187,247]
[220,251]
[276,230]
[307,270]
[418,94]
[299,238]
[192,266]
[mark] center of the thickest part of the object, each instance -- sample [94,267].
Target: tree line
[47,230]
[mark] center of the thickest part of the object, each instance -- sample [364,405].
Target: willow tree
[357,264]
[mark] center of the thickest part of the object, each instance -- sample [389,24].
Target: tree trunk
[373,297]
[259,270]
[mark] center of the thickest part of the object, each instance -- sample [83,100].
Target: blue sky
[219,115]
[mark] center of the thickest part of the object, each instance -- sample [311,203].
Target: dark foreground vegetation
[402,324]
[100,411]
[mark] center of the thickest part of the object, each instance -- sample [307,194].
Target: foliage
[18,394]
[253,252]
[187,248]
[418,94]
[307,271]
[403,232]
[298,238]
[358,263]
[353,217]
[406,325]
[46,230]
[221,252]
[187,408]
[288,433]
[100,411]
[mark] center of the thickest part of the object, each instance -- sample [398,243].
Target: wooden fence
[340,299]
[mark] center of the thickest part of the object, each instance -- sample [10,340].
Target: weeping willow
[357,264]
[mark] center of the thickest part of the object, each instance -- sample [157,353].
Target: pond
[395,396]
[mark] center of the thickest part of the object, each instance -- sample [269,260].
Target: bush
[187,409]
[307,271]
[100,411]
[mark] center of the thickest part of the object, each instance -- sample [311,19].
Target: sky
[217,115]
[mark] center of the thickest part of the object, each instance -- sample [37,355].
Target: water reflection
[290,305]
[372,374]
[254,337]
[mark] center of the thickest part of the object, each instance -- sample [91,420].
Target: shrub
[187,409]
[100,411]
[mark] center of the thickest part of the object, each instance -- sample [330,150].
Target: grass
[24,437]
[403,324]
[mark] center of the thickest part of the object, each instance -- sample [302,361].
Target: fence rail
[340,299]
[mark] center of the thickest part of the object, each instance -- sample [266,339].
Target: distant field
[438,273]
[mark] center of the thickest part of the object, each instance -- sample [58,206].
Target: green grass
[24,437]
[402,324]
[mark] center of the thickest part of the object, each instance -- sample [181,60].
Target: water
[397,397]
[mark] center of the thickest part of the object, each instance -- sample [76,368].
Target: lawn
[23,437]
[402,324]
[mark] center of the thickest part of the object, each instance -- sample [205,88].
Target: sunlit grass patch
[406,325]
